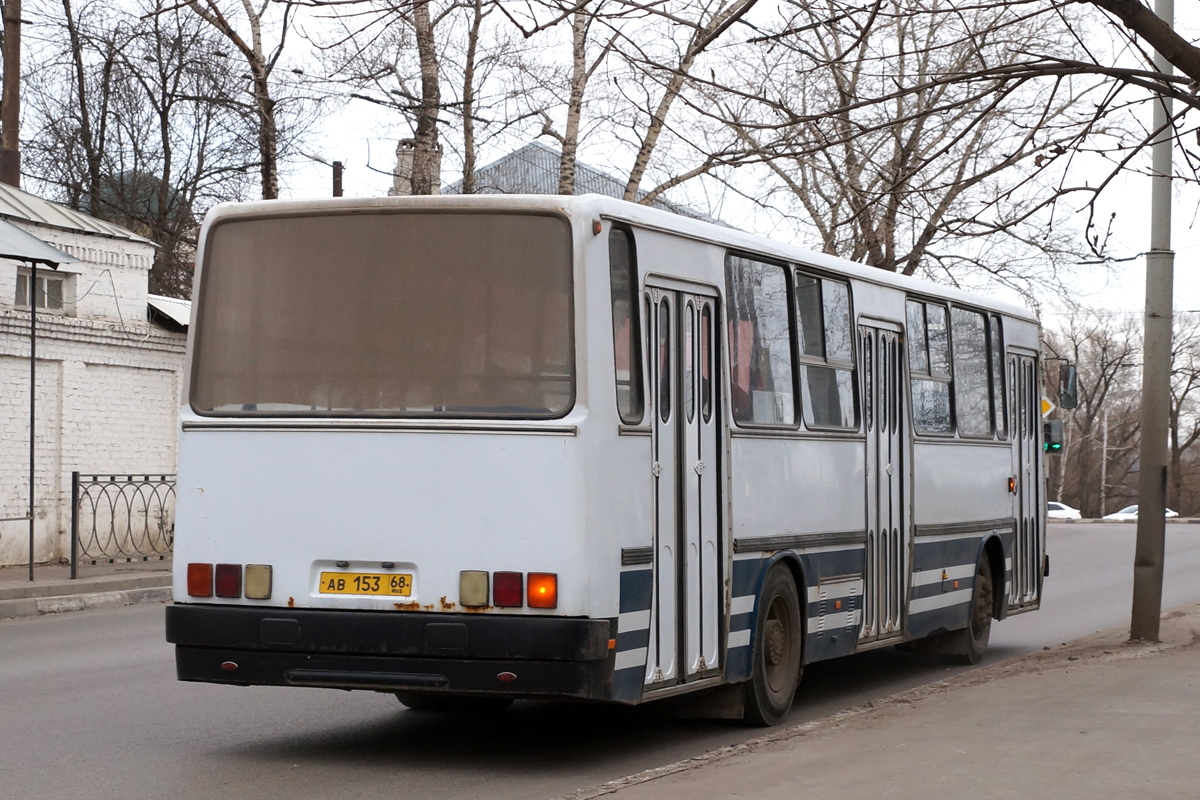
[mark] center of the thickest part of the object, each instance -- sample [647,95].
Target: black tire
[454,703]
[971,642]
[778,651]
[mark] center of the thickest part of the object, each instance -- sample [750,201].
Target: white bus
[474,448]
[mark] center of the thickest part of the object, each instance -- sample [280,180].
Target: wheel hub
[776,643]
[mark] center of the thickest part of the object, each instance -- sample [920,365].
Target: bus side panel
[796,488]
[960,496]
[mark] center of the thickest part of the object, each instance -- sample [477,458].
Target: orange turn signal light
[542,590]
[200,580]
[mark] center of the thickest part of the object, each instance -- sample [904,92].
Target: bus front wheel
[777,651]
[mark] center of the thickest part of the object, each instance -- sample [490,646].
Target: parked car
[1061,511]
[1129,514]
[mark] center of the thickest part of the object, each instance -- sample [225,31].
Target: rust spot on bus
[476,609]
[446,605]
[291,602]
[413,606]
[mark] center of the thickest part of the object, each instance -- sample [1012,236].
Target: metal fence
[121,518]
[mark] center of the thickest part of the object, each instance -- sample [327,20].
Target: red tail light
[229,580]
[200,580]
[508,589]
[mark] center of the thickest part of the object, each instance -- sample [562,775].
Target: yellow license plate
[369,583]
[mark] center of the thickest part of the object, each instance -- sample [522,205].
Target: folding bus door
[886,578]
[685,620]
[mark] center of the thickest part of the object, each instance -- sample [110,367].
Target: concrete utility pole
[1156,373]
[10,102]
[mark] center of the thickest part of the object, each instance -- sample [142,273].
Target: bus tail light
[543,590]
[258,581]
[200,580]
[507,589]
[229,580]
[473,588]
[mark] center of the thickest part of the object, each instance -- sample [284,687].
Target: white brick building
[108,380]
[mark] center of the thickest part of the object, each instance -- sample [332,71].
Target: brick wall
[108,388]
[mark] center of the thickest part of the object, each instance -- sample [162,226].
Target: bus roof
[633,213]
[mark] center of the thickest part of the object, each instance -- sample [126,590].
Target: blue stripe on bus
[943,587]
[627,684]
[746,574]
[632,640]
[936,555]
[636,590]
[837,563]
[938,619]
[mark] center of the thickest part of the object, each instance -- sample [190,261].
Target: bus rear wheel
[778,647]
[454,703]
[971,642]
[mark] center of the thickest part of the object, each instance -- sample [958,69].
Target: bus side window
[971,381]
[826,353]
[929,366]
[622,268]
[760,343]
[996,352]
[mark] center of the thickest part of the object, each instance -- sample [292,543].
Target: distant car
[1130,514]
[1061,511]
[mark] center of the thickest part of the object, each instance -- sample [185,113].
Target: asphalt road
[89,707]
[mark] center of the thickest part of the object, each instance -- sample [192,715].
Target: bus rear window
[386,314]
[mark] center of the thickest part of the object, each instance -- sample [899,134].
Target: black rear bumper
[389,651]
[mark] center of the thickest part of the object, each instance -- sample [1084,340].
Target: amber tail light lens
[200,580]
[507,589]
[543,590]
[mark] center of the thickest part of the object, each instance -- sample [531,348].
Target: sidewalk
[102,585]
[1096,718]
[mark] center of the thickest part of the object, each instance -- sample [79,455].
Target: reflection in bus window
[826,353]
[929,366]
[760,350]
[626,342]
[971,402]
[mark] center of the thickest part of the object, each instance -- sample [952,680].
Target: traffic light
[1052,436]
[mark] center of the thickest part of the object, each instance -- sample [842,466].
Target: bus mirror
[1068,392]
[1052,436]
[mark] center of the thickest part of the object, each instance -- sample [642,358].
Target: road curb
[1108,645]
[37,606]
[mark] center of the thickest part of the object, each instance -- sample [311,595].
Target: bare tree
[1184,418]
[1102,432]
[261,60]
[134,124]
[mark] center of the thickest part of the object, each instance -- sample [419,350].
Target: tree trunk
[579,79]
[426,173]
[268,135]
[10,105]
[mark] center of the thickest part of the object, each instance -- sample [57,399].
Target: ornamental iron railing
[121,518]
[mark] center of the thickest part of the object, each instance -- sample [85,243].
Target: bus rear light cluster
[229,581]
[507,589]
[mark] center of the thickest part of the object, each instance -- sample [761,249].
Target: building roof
[21,246]
[534,170]
[176,311]
[16,204]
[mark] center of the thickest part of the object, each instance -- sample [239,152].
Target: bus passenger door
[886,557]
[685,619]
[1024,418]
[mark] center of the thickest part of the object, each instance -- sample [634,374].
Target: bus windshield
[385,314]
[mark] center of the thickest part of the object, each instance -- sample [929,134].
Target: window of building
[929,366]
[51,290]
[622,268]
[972,395]
[760,343]
[826,353]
